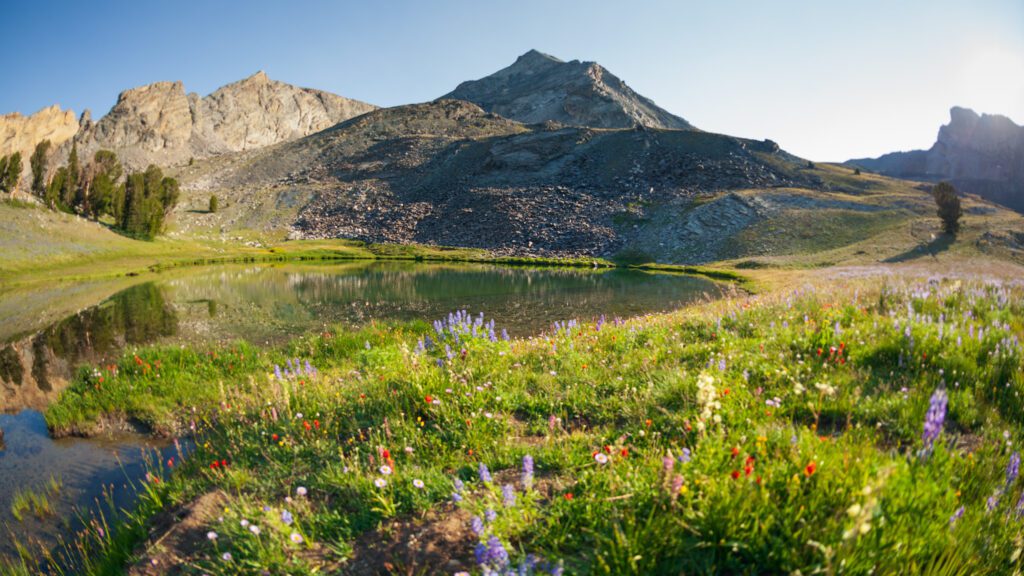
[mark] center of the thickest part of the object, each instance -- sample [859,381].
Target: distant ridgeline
[983,155]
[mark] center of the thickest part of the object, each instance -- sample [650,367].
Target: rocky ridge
[160,124]
[20,133]
[980,154]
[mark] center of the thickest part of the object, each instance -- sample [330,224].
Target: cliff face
[980,154]
[21,133]
[539,88]
[161,124]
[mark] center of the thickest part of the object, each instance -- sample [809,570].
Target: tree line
[137,202]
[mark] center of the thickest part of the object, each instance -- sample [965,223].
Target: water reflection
[272,304]
[33,369]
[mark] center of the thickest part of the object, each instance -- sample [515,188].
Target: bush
[213,204]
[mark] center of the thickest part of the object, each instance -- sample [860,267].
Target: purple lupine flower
[956,516]
[1013,468]
[497,557]
[485,474]
[459,485]
[935,417]
[992,502]
[477,525]
[527,471]
[508,495]
[721,365]
[684,457]
[1020,506]
[277,372]
[287,518]
[504,335]
[490,515]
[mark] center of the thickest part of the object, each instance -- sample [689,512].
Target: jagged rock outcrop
[540,88]
[21,133]
[982,154]
[162,124]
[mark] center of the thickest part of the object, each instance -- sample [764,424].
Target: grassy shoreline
[330,251]
[772,432]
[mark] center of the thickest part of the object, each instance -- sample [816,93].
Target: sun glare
[992,80]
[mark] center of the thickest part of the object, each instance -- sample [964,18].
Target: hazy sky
[828,80]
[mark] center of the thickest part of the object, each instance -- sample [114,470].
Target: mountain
[160,124]
[450,173]
[21,133]
[540,88]
[982,155]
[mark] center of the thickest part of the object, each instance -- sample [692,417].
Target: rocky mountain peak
[539,88]
[982,154]
[20,133]
[986,131]
[159,123]
[534,59]
[259,77]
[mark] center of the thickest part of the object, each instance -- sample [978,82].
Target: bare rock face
[161,124]
[21,133]
[540,88]
[981,154]
[258,112]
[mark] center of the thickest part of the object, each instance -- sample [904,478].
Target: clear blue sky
[827,80]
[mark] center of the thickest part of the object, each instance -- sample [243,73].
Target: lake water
[47,333]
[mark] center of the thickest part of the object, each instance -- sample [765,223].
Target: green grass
[36,501]
[759,434]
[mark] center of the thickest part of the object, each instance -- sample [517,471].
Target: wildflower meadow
[865,427]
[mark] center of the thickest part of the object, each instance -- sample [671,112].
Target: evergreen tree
[3,174]
[52,196]
[949,210]
[133,217]
[106,171]
[213,204]
[142,205]
[13,174]
[38,163]
[169,193]
[70,191]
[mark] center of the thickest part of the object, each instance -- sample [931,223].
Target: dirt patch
[177,535]
[440,542]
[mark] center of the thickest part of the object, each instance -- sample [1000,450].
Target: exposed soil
[440,542]
[176,536]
